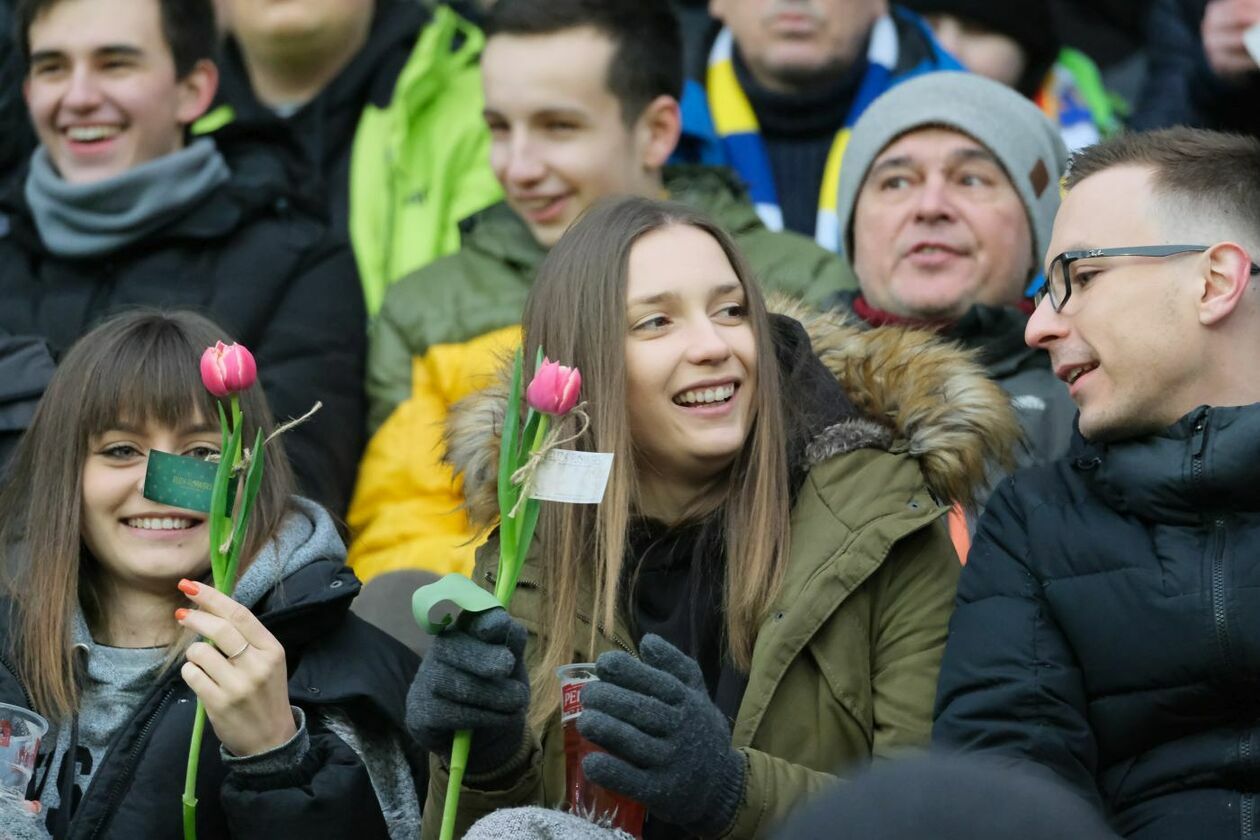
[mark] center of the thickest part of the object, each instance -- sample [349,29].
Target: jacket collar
[368,78]
[995,333]
[1203,464]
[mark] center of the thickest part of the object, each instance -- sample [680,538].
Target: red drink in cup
[581,797]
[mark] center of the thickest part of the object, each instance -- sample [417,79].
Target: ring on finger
[244,647]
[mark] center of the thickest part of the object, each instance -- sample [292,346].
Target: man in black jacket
[117,210]
[1108,620]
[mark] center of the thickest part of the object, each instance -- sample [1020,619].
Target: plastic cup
[581,797]
[21,730]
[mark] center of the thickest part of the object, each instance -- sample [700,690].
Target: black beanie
[1029,23]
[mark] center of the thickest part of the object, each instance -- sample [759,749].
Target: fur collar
[914,391]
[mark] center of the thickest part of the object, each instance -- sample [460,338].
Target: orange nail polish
[181,614]
[189,587]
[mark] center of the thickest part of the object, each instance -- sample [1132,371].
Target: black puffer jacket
[252,257]
[335,660]
[1108,627]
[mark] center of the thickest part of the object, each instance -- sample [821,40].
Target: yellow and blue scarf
[735,124]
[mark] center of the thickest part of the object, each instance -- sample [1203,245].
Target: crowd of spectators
[383,199]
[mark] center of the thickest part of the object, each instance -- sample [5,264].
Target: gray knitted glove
[473,678]
[668,746]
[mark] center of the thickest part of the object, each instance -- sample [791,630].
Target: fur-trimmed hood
[914,392]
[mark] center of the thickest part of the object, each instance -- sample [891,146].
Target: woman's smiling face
[691,364]
[138,543]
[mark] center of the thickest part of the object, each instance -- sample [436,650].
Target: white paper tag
[1251,40]
[575,477]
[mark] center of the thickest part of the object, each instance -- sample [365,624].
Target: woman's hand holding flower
[241,679]
[474,678]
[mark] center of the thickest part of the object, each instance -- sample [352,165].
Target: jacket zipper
[1220,616]
[612,637]
[1215,546]
[116,789]
[1216,550]
[1247,811]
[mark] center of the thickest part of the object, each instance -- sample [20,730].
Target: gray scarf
[88,220]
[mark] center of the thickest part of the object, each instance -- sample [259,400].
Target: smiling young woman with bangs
[107,615]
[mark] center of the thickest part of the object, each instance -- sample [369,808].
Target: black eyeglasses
[1060,278]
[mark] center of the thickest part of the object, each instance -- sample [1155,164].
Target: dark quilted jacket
[1108,627]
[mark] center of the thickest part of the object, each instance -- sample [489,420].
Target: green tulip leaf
[440,604]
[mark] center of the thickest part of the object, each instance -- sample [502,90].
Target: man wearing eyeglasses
[1108,620]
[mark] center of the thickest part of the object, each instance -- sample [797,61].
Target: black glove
[473,678]
[668,746]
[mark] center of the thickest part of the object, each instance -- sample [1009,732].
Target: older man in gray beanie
[947,196]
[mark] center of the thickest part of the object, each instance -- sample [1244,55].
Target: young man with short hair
[1108,620]
[561,140]
[118,209]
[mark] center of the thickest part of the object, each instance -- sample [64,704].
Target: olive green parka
[845,663]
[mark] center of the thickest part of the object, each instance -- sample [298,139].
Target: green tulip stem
[190,778]
[515,535]
[223,563]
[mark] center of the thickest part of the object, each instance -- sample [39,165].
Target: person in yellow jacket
[560,140]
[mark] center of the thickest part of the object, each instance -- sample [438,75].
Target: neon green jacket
[420,162]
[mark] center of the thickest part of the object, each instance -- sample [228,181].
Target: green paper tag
[182,482]
[441,603]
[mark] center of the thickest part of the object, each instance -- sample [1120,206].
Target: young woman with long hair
[107,593]
[767,582]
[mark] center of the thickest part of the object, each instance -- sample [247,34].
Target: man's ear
[657,131]
[196,91]
[1228,275]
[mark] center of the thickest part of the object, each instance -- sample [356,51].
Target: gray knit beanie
[1010,126]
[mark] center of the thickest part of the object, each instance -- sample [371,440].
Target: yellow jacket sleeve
[407,508]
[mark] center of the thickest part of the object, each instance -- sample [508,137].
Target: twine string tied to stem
[524,476]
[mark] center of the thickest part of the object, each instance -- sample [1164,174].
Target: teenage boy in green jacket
[582,103]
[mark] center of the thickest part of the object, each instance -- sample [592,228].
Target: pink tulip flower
[554,389]
[227,369]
